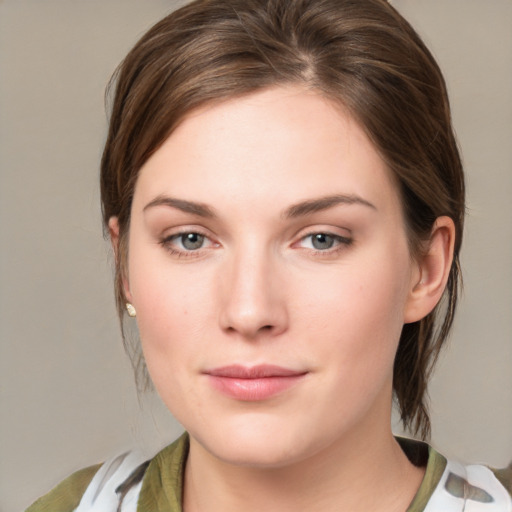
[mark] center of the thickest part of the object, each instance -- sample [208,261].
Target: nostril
[263,328]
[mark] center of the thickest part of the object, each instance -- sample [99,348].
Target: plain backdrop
[67,393]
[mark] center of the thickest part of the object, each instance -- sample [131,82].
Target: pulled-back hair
[359,53]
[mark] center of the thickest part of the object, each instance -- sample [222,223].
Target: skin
[258,286]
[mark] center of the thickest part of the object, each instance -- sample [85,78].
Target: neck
[357,473]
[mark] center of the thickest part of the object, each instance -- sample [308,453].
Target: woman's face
[270,271]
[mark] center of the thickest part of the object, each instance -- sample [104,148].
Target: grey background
[67,393]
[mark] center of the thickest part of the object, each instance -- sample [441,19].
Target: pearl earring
[131,310]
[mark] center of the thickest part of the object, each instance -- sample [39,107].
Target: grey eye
[192,241]
[322,241]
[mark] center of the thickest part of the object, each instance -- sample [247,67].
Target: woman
[285,200]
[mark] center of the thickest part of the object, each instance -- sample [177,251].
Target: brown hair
[359,53]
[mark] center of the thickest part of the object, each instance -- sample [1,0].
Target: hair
[360,54]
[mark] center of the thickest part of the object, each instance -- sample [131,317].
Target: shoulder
[67,495]
[99,488]
[450,486]
[474,487]
[122,483]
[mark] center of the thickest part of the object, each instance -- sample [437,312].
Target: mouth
[253,384]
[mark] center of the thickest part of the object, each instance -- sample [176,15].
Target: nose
[254,303]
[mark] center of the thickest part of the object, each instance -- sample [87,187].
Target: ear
[432,271]
[113,229]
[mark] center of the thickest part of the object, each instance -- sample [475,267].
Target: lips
[254,383]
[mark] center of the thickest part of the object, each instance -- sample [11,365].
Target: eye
[324,241]
[191,241]
[186,243]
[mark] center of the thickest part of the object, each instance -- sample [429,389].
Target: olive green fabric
[504,476]
[67,495]
[433,473]
[162,486]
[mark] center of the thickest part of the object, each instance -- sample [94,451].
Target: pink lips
[255,383]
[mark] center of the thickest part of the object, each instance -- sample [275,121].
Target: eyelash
[341,242]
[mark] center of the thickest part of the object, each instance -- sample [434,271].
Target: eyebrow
[324,203]
[297,210]
[200,209]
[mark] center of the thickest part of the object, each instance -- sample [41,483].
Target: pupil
[322,241]
[192,241]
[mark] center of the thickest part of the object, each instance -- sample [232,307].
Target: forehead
[286,143]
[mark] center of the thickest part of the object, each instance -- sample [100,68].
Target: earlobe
[434,267]
[113,229]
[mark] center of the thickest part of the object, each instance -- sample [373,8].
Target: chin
[259,443]
[256,452]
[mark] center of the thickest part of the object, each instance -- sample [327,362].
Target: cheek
[172,312]
[172,303]
[357,313]
[170,317]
